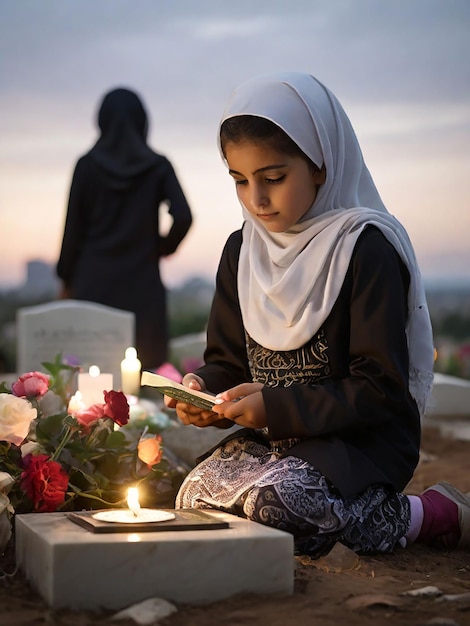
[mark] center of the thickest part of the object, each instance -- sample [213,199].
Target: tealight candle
[130,372]
[134,514]
[93,384]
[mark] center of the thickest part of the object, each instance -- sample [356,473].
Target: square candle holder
[81,565]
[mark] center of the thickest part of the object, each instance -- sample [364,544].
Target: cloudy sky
[400,67]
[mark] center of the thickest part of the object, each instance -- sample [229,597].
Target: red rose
[31,385]
[116,407]
[44,481]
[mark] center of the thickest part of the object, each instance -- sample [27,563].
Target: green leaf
[50,426]
[69,420]
[80,480]
[58,366]
[116,440]
[62,376]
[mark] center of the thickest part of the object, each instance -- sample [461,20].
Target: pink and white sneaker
[446,520]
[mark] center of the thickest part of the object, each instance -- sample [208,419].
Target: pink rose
[87,417]
[116,407]
[31,385]
[170,371]
[149,450]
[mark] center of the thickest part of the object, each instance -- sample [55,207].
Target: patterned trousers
[251,480]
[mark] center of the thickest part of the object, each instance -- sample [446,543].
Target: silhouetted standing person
[112,244]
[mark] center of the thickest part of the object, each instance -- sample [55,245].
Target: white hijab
[288,282]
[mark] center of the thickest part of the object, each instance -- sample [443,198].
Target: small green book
[168,387]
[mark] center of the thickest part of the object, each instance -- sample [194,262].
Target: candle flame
[76,403]
[131,353]
[133,500]
[94,371]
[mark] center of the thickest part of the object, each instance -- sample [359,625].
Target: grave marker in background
[92,333]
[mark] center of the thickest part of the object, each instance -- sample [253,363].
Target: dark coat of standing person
[112,243]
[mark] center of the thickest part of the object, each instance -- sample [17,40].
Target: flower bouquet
[57,454]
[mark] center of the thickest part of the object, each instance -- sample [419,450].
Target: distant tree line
[455,326]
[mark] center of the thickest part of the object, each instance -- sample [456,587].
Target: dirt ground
[340,589]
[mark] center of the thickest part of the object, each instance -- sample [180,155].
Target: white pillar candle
[130,373]
[93,384]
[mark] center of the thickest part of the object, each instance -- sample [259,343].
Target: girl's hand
[188,413]
[244,405]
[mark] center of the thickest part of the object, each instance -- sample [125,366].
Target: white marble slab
[74,568]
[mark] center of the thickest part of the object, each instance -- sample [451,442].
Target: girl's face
[275,187]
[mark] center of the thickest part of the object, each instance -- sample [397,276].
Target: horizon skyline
[429,281]
[408,100]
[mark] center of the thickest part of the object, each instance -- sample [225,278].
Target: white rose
[6,481]
[5,504]
[16,415]
[5,523]
[31,447]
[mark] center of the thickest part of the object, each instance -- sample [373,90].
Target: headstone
[81,570]
[91,333]
[450,397]
[187,351]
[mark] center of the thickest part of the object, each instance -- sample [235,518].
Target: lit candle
[133,500]
[93,384]
[76,403]
[134,514]
[130,373]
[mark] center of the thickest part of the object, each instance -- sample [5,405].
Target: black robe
[356,420]
[112,244]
